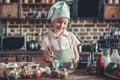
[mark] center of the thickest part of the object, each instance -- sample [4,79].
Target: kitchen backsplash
[86,30]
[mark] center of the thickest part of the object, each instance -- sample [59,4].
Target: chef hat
[59,9]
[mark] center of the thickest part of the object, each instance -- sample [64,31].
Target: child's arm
[76,59]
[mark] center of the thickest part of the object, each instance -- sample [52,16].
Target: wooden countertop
[79,74]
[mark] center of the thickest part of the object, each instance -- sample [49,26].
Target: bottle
[100,65]
[92,56]
[106,57]
[115,57]
[107,40]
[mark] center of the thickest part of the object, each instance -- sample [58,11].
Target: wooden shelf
[69,3]
[14,18]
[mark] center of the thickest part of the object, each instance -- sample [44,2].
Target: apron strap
[49,47]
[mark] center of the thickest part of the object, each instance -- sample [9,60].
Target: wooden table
[80,74]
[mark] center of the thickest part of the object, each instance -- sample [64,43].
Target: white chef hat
[59,9]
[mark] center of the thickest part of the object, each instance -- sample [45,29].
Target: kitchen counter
[79,74]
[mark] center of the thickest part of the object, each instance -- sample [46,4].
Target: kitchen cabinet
[9,10]
[111,10]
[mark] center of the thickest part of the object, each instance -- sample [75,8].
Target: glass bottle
[106,57]
[100,65]
[115,58]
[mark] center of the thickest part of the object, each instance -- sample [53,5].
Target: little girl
[60,43]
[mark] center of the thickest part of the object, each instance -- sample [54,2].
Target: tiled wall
[91,30]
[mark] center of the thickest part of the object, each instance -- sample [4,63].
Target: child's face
[60,24]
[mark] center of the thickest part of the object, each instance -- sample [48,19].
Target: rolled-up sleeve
[44,45]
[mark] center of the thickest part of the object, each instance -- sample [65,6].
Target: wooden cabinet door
[9,10]
[112,11]
[7,58]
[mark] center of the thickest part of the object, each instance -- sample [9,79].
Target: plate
[111,76]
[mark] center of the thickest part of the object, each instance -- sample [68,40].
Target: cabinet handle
[25,58]
[113,15]
[6,60]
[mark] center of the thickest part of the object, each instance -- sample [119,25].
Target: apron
[64,57]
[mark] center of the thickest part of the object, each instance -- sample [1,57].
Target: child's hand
[48,57]
[51,54]
[75,63]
